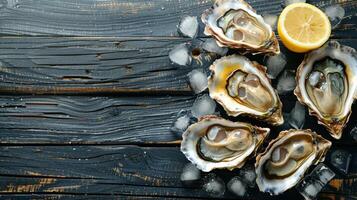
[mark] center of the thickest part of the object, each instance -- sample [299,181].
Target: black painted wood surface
[112,169]
[87,97]
[126,17]
[88,120]
[97,65]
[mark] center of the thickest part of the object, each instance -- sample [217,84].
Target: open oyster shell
[327,84]
[214,142]
[235,24]
[242,87]
[287,158]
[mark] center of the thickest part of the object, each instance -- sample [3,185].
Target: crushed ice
[214,185]
[190,174]
[211,45]
[180,55]
[188,26]
[335,13]
[297,116]
[198,80]
[275,64]
[237,186]
[286,82]
[353,133]
[203,105]
[248,175]
[341,159]
[313,183]
[183,119]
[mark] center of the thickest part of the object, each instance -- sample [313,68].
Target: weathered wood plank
[95,170]
[76,197]
[55,119]
[112,120]
[125,17]
[120,170]
[89,65]
[322,196]
[47,65]
[329,196]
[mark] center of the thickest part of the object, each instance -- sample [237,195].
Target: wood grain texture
[54,119]
[114,120]
[117,48]
[77,197]
[90,65]
[94,170]
[126,17]
[119,170]
[322,196]
[97,65]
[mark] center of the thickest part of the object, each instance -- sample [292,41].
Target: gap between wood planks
[44,65]
[112,170]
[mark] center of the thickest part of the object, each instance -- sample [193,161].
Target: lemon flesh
[303,27]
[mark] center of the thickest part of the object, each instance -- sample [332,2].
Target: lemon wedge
[303,27]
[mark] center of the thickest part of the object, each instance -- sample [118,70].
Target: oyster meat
[327,84]
[242,87]
[214,143]
[287,158]
[235,24]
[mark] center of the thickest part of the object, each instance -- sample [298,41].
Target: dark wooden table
[88,95]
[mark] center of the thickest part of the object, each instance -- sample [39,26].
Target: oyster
[214,142]
[287,158]
[235,24]
[327,84]
[242,87]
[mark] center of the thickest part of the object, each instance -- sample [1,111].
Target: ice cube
[248,176]
[214,185]
[190,174]
[322,173]
[275,64]
[183,119]
[198,80]
[271,20]
[286,82]
[180,55]
[210,45]
[335,13]
[237,186]
[203,105]
[288,2]
[188,26]
[285,125]
[313,183]
[309,188]
[341,159]
[297,116]
[353,133]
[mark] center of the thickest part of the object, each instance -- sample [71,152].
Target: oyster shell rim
[208,166]
[335,129]
[275,118]
[313,160]
[270,47]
